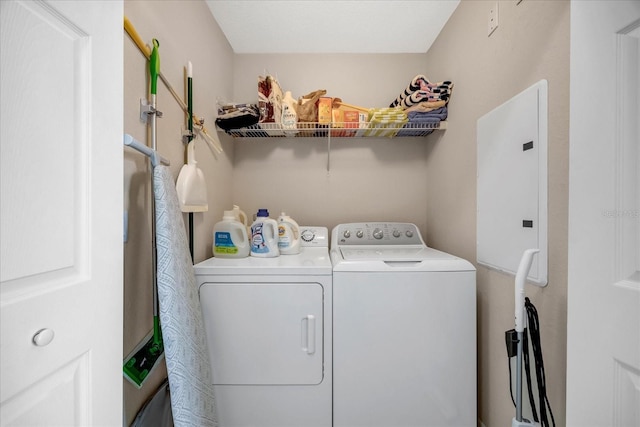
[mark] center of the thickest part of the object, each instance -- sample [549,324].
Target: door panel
[603,322]
[264,333]
[64,389]
[61,220]
[45,58]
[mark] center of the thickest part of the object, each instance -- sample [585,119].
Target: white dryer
[404,330]
[268,326]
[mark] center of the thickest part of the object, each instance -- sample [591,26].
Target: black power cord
[526,359]
[511,341]
[536,347]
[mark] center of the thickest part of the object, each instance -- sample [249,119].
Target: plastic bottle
[289,115]
[264,236]
[241,217]
[230,238]
[288,235]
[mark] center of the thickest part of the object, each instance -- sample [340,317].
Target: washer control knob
[396,233]
[378,234]
[308,235]
[409,233]
[346,234]
[359,234]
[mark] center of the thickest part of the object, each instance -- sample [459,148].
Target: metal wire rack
[337,130]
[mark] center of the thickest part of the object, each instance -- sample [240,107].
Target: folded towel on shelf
[419,82]
[423,96]
[420,90]
[385,121]
[240,116]
[426,106]
[421,123]
[434,116]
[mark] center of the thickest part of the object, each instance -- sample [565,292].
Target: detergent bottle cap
[229,215]
[263,212]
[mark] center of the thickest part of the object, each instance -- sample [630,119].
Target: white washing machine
[268,325]
[404,330]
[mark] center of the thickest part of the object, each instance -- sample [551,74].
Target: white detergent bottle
[288,235]
[264,236]
[230,238]
[289,120]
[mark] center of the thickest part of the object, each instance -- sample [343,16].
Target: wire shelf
[337,130]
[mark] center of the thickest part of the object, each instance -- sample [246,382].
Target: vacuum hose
[517,342]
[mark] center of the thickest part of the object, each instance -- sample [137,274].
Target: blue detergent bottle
[264,236]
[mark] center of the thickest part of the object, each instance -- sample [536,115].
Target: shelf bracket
[329,151]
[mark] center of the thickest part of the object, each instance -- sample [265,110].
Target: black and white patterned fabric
[420,89]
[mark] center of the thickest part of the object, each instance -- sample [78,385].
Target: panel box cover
[512,183]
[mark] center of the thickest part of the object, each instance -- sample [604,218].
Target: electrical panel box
[512,183]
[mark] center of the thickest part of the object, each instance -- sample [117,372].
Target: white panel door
[264,333]
[603,330]
[61,216]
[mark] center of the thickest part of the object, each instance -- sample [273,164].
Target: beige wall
[369,179]
[429,181]
[186,32]
[530,44]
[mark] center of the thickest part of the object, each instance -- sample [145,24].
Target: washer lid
[396,258]
[391,253]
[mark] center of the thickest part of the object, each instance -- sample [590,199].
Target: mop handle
[211,139]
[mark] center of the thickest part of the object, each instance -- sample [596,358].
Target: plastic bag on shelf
[307,106]
[269,99]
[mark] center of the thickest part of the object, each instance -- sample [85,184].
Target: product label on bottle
[284,241]
[222,243]
[257,239]
[289,119]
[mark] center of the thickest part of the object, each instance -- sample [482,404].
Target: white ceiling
[331,26]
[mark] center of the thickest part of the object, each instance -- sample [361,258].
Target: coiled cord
[533,331]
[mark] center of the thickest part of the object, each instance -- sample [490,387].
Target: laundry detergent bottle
[264,236]
[230,238]
[241,217]
[289,120]
[288,235]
